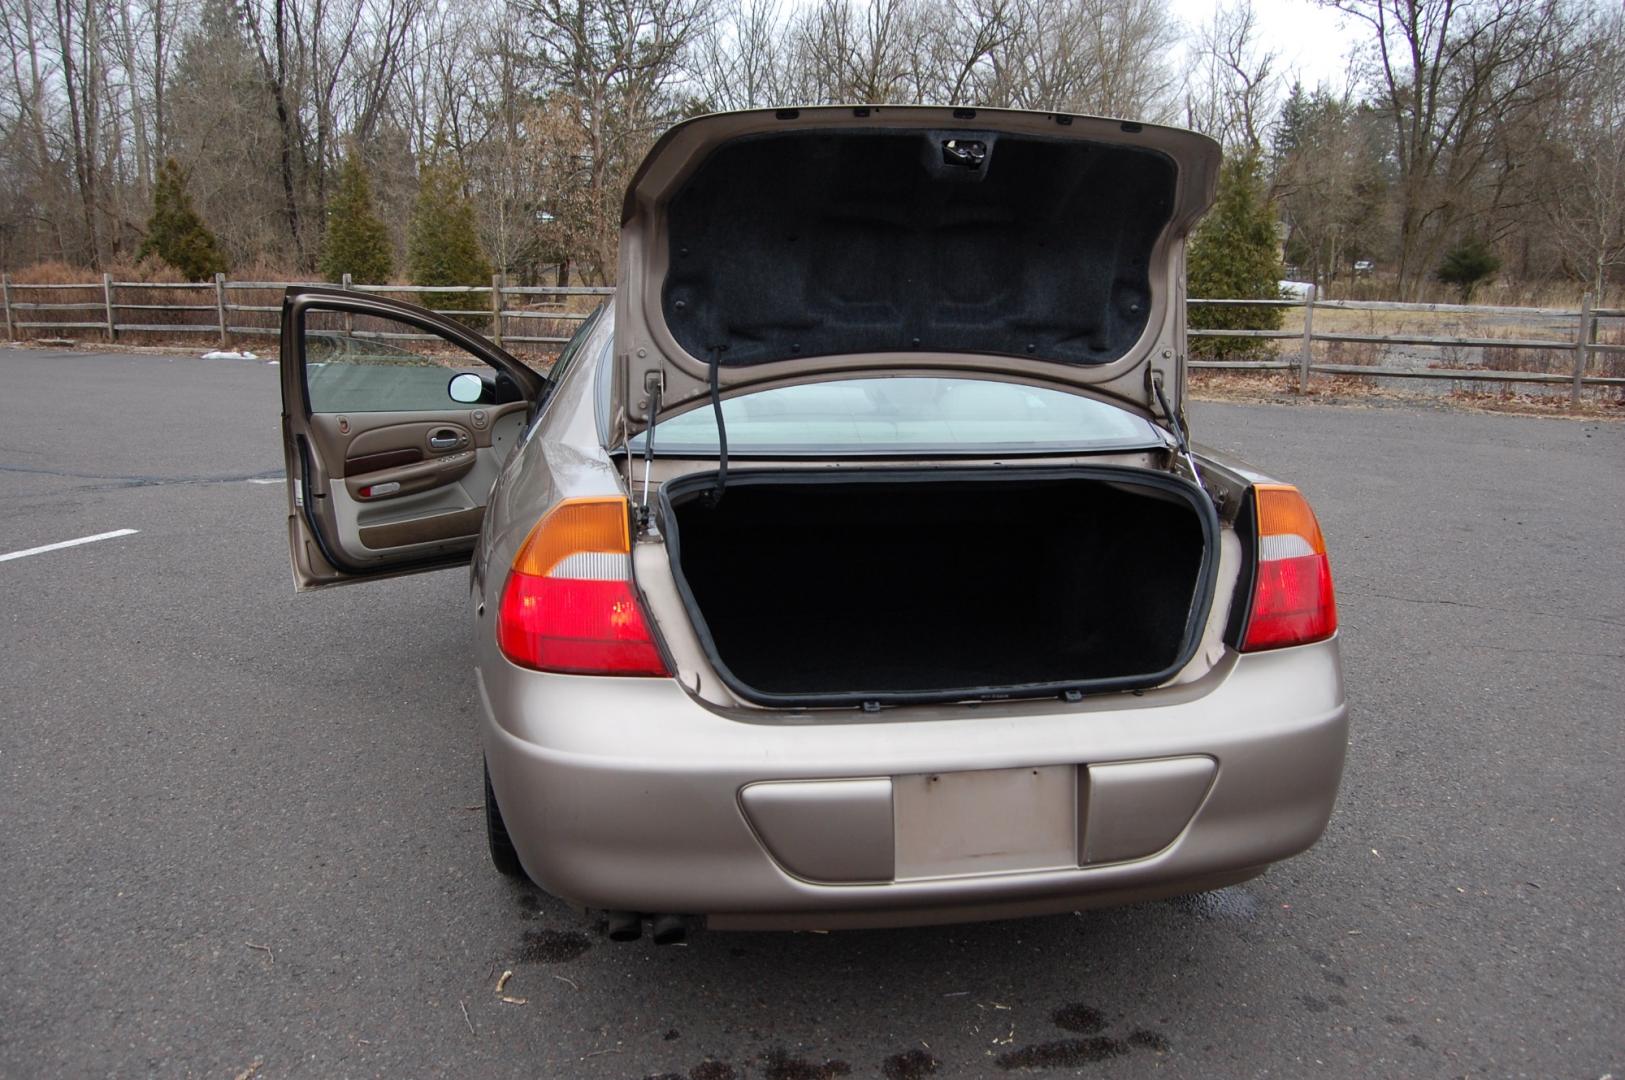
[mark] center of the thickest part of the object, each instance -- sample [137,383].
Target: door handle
[444,441]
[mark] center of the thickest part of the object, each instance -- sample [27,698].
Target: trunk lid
[768,247]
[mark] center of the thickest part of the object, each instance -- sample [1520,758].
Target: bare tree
[738,59]
[1587,210]
[1233,92]
[1444,71]
[614,67]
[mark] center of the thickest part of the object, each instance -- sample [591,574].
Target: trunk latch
[964,153]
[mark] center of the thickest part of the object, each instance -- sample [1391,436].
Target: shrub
[1467,265]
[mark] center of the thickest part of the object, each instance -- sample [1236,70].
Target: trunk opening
[895,586]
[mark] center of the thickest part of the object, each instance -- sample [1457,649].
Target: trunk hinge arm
[653,381]
[1155,378]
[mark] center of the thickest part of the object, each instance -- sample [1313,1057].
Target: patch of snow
[228,354]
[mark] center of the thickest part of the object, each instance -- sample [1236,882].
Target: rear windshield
[905,415]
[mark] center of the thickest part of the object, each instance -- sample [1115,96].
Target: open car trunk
[894,585]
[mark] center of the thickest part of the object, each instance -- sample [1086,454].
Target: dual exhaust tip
[628,926]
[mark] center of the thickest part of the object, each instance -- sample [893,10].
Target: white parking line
[67,544]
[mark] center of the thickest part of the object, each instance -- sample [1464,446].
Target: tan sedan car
[852,567]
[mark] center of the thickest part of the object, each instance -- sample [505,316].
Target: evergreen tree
[175,233]
[444,248]
[1467,264]
[1234,255]
[357,243]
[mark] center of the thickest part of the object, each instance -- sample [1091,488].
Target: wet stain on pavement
[552,946]
[1314,1004]
[777,1064]
[1064,1053]
[1334,978]
[1146,1039]
[1417,1041]
[1084,1019]
[712,1070]
[1232,903]
[672,1034]
[909,1065]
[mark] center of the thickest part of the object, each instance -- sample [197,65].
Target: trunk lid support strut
[1155,378]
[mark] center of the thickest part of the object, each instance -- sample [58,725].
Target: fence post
[1582,349]
[107,305]
[349,316]
[496,309]
[1308,340]
[220,309]
[5,290]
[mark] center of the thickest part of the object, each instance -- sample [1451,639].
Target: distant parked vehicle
[853,567]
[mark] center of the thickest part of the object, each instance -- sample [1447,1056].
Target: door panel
[392,475]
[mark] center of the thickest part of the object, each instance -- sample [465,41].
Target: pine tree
[1467,264]
[1234,255]
[444,248]
[357,243]
[175,233]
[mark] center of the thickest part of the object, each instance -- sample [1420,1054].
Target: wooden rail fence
[507,311]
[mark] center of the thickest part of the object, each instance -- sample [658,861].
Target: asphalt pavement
[239,828]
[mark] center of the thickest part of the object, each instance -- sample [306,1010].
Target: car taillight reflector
[1293,600]
[568,605]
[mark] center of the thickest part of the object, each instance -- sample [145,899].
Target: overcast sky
[1311,41]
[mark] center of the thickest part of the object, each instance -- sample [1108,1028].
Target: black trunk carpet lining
[819,243]
[913,587]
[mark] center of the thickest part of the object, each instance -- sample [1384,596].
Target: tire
[503,855]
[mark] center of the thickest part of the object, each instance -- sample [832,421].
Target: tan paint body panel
[1136,808]
[637,805]
[827,830]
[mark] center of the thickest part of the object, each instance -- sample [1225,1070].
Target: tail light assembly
[1293,602]
[568,605]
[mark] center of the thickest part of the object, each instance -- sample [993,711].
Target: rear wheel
[503,855]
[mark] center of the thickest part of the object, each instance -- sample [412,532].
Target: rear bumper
[626,794]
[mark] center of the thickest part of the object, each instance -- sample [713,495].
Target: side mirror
[466,388]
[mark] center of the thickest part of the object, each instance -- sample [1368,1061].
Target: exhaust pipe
[670,929]
[623,925]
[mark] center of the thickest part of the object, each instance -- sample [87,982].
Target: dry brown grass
[1354,391]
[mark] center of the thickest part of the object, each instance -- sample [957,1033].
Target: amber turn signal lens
[575,527]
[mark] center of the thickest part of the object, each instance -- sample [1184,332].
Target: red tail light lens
[1293,599]
[568,605]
